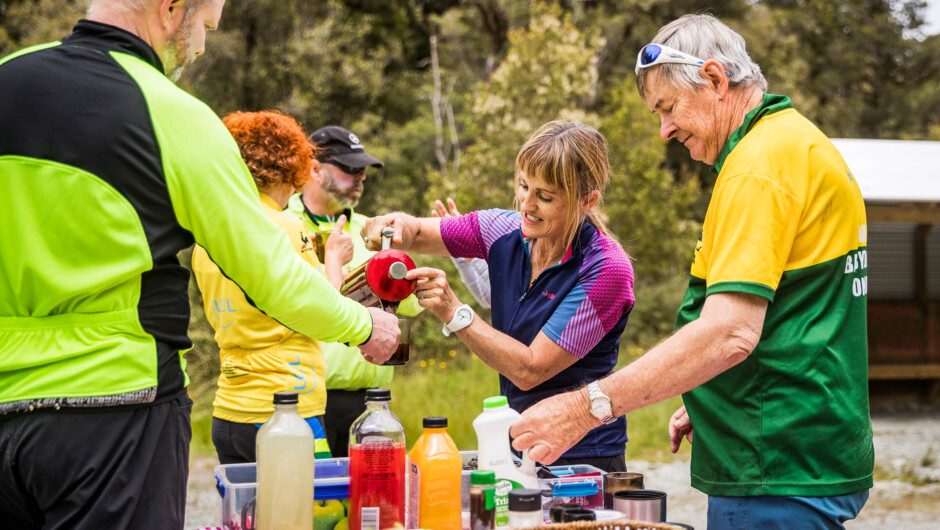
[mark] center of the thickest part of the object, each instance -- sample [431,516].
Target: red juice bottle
[376,466]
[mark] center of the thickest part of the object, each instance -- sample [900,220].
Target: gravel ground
[907,494]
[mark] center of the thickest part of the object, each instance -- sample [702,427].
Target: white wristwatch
[463,316]
[600,403]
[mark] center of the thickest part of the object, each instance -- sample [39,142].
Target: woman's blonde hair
[573,157]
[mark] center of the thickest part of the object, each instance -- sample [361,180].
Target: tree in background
[650,209]
[549,72]
[28,22]
[863,64]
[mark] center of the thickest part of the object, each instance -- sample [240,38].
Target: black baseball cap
[343,146]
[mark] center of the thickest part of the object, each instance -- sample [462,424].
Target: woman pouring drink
[562,287]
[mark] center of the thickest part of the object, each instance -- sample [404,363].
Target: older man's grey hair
[131,7]
[705,37]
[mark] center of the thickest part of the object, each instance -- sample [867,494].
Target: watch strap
[455,324]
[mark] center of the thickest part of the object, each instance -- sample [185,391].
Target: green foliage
[443,389]
[549,73]
[648,207]
[648,433]
[28,22]
[860,65]
[202,361]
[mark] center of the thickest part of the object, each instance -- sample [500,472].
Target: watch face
[600,407]
[464,315]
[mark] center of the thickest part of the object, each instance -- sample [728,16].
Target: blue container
[238,484]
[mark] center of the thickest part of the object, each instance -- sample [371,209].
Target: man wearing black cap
[334,191]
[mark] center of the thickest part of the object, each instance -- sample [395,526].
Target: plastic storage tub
[586,491]
[237,484]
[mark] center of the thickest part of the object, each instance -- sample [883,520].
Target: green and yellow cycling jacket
[107,171]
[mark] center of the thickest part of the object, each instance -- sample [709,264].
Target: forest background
[446,91]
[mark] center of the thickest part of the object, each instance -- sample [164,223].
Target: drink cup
[402,354]
[618,481]
[641,505]
[320,238]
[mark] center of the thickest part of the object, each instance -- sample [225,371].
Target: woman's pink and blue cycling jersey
[581,303]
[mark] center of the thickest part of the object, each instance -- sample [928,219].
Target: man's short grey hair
[134,6]
[705,37]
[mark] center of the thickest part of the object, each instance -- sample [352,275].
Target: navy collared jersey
[582,304]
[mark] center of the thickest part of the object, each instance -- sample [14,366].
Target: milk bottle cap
[495,402]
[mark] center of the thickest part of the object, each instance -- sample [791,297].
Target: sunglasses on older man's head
[344,168]
[653,54]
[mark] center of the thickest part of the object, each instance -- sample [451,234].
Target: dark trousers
[80,469]
[342,409]
[609,464]
[235,443]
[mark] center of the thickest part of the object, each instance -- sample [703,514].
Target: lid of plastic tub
[329,492]
[495,402]
[575,489]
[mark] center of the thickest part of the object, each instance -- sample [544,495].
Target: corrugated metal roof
[891,171]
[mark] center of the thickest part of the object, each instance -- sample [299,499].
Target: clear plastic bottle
[376,466]
[434,476]
[284,448]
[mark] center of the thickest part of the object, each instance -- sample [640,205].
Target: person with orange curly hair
[259,356]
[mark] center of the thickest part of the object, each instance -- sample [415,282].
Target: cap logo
[353,138]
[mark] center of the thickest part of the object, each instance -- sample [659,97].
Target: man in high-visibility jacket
[107,171]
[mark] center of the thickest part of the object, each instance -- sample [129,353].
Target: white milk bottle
[284,449]
[494,454]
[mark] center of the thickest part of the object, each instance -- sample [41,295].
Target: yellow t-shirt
[258,355]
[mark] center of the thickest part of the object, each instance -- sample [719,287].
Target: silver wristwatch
[600,403]
[463,316]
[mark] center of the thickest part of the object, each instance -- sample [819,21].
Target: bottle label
[501,498]
[414,496]
[377,480]
[370,518]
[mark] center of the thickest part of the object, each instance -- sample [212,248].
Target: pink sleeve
[472,235]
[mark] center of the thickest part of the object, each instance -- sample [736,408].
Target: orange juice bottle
[434,474]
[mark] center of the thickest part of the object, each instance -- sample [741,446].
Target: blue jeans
[781,513]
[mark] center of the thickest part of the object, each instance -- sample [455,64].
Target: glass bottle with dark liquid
[482,500]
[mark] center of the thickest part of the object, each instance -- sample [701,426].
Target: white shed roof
[891,171]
